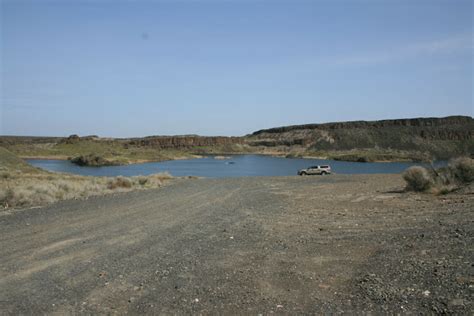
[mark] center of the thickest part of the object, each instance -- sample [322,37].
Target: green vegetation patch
[93,160]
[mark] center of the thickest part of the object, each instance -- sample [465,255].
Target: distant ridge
[415,122]
[413,139]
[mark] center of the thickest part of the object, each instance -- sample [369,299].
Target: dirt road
[250,245]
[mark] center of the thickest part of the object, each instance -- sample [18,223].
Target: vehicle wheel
[304,174]
[324,173]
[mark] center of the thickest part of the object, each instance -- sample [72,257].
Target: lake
[236,166]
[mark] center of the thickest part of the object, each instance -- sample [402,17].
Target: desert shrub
[25,197]
[161,176]
[6,196]
[63,186]
[156,180]
[418,178]
[119,182]
[441,189]
[463,169]
[142,180]
[69,189]
[41,189]
[443,180]
[92,160]
[5,175]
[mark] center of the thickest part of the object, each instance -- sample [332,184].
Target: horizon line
[260,130]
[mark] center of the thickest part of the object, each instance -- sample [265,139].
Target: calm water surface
[236,166]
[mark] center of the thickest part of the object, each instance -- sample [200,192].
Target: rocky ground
[333,244]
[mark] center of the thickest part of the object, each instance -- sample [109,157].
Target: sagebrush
[458,173]
[418,178]
[26,190]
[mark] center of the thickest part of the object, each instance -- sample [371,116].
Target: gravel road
[331,244]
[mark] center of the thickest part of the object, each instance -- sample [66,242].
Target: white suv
[322,170]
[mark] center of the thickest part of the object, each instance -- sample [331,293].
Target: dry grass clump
[463,169]
[119,182]
[25,190]
[458,173]
[153,180]
[418,178]
[142,180]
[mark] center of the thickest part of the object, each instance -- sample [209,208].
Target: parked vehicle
[321,170]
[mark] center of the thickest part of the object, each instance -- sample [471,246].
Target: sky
[229,67]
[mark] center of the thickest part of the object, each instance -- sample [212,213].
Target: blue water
[237,166]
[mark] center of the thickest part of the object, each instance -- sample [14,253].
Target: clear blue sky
[217,67]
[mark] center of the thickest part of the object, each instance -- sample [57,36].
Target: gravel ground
[331,244]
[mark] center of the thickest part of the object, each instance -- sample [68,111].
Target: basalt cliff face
[184,142]
[438,137]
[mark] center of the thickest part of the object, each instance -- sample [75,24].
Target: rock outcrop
[440,137]
[461,121]
[184,142]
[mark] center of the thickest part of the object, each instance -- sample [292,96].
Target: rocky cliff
[183,142]
[439,137]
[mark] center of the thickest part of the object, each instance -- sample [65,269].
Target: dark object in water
[230,162]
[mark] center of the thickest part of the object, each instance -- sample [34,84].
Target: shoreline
[130,162]
[205,155]
[43,157]
[285,155]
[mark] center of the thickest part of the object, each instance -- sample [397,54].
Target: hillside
[419,138]
[121,150]
[11,163]
[387,140]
